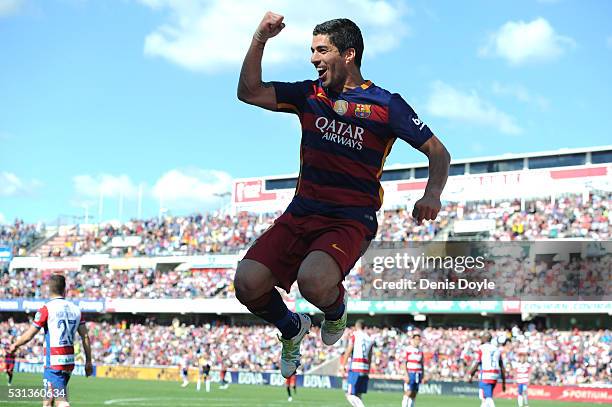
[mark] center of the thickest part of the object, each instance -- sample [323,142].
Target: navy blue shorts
[357,383]
[522,388]
[414,379]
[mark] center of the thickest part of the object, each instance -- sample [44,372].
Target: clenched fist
[270,26]
[426,208]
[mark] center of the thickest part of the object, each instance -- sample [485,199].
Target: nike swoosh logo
[322,95]
[335,246]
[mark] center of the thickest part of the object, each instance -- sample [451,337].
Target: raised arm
[251,88]
[439,162]
[87,348]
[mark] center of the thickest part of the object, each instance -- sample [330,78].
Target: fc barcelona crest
[363,111]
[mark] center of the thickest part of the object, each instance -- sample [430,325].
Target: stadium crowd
[565,217]
[514,277]
[556,357]
[103,282]
[20,236]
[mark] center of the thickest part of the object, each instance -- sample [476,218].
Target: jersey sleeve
[41,317]
[405,123]
[291,96]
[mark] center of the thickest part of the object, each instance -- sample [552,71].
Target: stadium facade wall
[251,194]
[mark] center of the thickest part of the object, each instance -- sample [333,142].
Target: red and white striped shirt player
[360,358]
[414,360]
[522,371]
[414,371]
[489,357]
[60,320]
[489,361]
[359,349]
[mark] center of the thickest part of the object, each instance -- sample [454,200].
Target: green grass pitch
[140,393]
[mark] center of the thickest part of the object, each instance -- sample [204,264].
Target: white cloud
[2,219]
[450,103]
[88,186]
[520,42]
[12,185]
[522,94]
[10,7]
[212,35]
[191,188]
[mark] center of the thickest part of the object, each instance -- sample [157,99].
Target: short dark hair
[344,34]
[360,322]
[57,284]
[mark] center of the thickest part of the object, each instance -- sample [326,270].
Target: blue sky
[122,95]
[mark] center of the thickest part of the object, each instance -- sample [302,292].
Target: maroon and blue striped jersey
[346,138]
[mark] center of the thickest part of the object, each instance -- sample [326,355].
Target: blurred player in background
[184,370]
[224,382]
[348,128]
[522,373]
[489,361]
[9,364]
[203,373]
[415,373]
[289,383]
[359,350]
[61,320]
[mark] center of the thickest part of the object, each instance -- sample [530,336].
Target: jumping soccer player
[9,364]
[203,374]
[489,359]
[348,127]
[359,349]
[414,371]
[289,383]
[60,320]
[522,373]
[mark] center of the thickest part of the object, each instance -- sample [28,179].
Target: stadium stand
[557,357]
